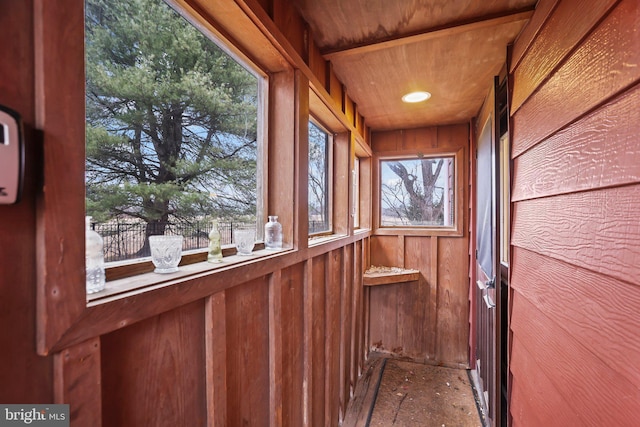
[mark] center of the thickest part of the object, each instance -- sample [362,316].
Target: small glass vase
[166,253]
[94,259]
[215,248]
[273,234]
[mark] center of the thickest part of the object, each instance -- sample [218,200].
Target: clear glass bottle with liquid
[273,234]
[215,245]
[94,262]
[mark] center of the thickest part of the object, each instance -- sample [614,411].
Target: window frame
[330,168]
[133,267]
[355,192]
[63,315]
[455,229]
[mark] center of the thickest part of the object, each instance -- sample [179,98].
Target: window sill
[147,280]
[418,231]
[319,240]
[361,231]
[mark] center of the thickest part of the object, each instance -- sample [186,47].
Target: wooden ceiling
[382,49]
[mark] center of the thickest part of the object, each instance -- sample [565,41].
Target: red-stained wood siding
[575,262]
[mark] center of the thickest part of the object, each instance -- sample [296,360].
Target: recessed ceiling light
[416,97]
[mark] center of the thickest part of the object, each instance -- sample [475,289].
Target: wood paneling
[225,348]
[575,234]
[332,335]
[292,26]
[247,308]
[59,66]
[291,330]
[346,306]
[427,319]
[153,372]
[24,373]
[78,380]
[453,302]
[216,359]
[319,353]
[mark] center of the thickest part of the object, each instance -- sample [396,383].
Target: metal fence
[126,240]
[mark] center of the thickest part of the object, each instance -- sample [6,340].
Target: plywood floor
[400,393]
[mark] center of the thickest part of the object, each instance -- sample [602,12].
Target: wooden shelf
[389,277]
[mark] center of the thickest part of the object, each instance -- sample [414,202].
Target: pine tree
[171,119]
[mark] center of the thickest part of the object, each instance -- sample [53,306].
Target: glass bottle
[215,247]
[94,261]
[273,234]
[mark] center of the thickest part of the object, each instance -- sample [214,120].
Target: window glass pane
[318,180]
[504,199]
[356,193]
[417,192]
[171,129]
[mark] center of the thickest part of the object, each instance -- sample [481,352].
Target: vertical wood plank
[59,66]
[342,182]
[346,328]
[400,252]
[247,322]
[29,375]
[356,329]
[384,250]
[318,270]
[309,348]
[366,299]
[453,302]
[292,340]
[285,188]
[417,256]
[433,299]
[154,371]
[77,382]
[275,349]
[216,359]
[332,320]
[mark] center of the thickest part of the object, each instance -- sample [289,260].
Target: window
[319,180]
[356,193]
[505,213]
[417,192]
[172,138]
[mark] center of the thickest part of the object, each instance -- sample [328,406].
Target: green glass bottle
[215,247]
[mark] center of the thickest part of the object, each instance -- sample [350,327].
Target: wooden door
[490,300]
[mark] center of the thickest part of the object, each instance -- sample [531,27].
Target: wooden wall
[426,320]
[277,350]
[575,265]
[25,377]
[275,342]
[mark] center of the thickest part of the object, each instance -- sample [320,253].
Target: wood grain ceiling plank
[446,30]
